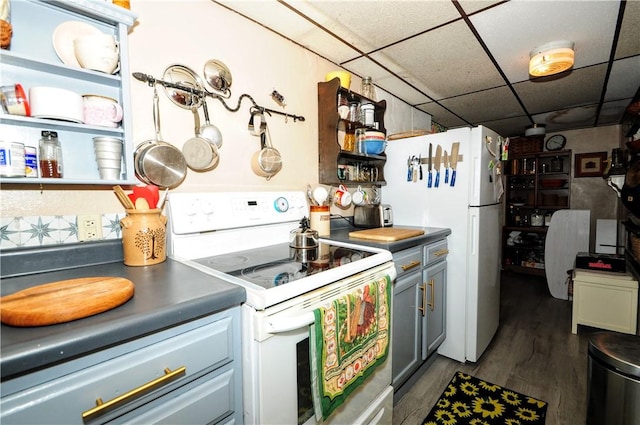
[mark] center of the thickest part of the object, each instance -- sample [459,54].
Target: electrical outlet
[89,227]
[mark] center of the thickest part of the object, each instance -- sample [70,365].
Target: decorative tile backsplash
[51,230]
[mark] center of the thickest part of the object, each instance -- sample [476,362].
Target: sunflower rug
[471,401]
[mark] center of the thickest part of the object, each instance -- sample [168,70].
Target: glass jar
[367,89]
[556,165]
[349,143]
[537,219]
[50,155]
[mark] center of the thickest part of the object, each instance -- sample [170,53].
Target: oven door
[277,369]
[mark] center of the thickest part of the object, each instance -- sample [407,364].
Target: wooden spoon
[123,198]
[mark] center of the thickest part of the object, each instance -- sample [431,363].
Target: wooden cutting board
[64,300]
[386,234]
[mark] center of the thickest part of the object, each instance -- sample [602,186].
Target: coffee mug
[101,110]
[342,197]
[98,52]
[359,197]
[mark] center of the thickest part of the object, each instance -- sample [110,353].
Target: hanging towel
[349,340]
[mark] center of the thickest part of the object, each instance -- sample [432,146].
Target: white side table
[605,300]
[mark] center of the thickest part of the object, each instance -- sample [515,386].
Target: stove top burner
[280,264]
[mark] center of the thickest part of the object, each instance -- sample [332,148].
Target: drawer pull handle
[422,308]
[102,407]
[409,266]
[441,252]
[433,295]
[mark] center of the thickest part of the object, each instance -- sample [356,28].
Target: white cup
[98,52]
[342,197]
[359,197]
[101,110]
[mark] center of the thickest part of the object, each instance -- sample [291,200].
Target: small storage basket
[523,145]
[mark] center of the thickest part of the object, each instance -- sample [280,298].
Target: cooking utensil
[141,192]
[437,165]
[415,167]
[320,195]
[217,75]
[123,198]
[430,178]
[446,167]
[156,161]
[454,161]
[208,130]
[200,154]
[420,162]
[186,77]
[267,161]
[64,300]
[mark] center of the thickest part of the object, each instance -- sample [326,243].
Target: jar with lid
[537,219]
[556,165]
[367,89]
[50,155]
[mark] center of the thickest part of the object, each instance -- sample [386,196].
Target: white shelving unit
[32,61]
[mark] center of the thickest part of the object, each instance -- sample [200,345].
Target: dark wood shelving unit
[330,152]
[540,183]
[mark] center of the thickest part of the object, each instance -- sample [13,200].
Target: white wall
[189,33]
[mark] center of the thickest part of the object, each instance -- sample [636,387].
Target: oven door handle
[289,323]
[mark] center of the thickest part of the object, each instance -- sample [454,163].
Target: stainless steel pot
[156,161]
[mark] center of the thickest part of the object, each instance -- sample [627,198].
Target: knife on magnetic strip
[437,165]
[454,161]
[430,181]
[446,167]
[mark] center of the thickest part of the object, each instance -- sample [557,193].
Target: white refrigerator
[472,210]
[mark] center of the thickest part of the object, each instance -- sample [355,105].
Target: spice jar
[537,219]
[50,155]
[367,89]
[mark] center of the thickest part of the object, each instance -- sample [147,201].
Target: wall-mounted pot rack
[152,81]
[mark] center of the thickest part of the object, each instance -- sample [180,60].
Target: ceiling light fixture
[551,58]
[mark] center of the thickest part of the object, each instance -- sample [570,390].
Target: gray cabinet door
[407,327]
[434,320]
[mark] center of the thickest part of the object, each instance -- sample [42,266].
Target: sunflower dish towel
[469,400]
[349,340]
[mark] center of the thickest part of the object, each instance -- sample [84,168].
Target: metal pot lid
[163,165]
[616,350]
[184,76]
[217,75]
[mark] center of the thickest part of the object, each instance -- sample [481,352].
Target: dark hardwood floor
[533,352]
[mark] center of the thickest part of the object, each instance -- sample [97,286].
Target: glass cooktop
[280,264]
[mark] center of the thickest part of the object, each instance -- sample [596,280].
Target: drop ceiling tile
[578,117]
[472,6]
[447,70]
[291,25]
[624,79]
[512,30]
[369,25]
[387,81]
[629,41]
[579,87]
[509,127]
[613,112]
[442,116]
[479,107]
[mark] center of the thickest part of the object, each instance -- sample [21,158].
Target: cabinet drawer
[435,252]
[63,400]
[408,260]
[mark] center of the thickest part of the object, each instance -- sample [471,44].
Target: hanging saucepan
[156,161]
[218,76]
[200,154]
[208,130]
[267,161]
[186,77]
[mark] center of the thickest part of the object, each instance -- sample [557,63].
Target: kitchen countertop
[431,234]
[166,295]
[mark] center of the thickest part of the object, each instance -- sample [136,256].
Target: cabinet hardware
[441,252]
[409,266]
[433,295]
[103,407]
[423,287]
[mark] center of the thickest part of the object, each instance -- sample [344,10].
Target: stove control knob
[281,204]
